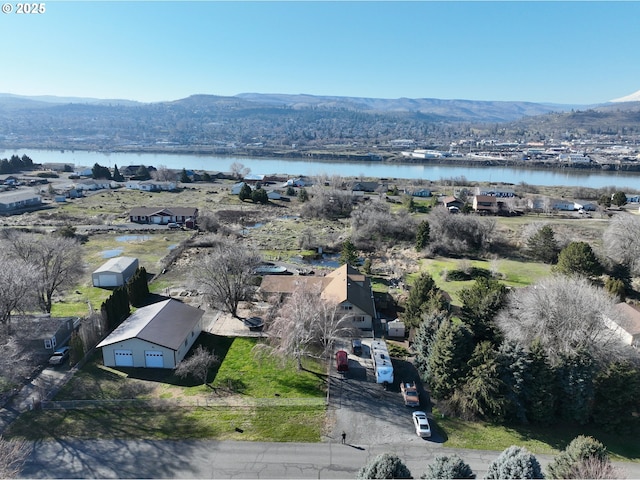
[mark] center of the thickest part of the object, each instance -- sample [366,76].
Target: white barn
[155,336]
[115,272]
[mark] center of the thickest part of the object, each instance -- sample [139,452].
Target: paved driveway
[368,413]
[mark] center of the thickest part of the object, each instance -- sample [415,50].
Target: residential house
[163,215]
[151,185]
[345,286]
[365,187]
[563,205]
[495,192]
[423,192]
[236,187]
[42,334]
[156,336]
[485,204]
[17,200]
[98,184]
[452,203]
[626,323]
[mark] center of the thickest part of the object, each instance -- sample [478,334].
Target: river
[295,167]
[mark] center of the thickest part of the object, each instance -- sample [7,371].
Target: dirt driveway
[366,412]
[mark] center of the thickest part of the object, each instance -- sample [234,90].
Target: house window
[358,319]
[47,343]
[347,307]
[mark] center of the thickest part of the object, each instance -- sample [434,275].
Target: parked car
[173,225]
[342,361]
[421,424]
[59,356]
[356,346]
[410,394]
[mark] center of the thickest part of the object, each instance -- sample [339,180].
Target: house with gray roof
[18,200]
[156,336]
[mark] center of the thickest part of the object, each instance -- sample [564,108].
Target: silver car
[421,424]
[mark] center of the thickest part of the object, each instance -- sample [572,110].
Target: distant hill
[283,122]
[451,110]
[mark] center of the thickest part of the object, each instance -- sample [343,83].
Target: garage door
[124,358]
[153,359]
[108,280]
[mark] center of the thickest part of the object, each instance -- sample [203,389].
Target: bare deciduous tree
[238,170]
[621,241]
[306,321]
[13,454]
[163,174]
[15,361]
[224,274]
[57,259]
[565,314]
[17,286]
[197,364]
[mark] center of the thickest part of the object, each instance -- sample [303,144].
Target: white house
[155,336]
[115,272]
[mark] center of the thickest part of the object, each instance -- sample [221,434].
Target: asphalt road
[211,459]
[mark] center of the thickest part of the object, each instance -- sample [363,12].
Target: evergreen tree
[578,258]
[541,397]
[422,235]
[515,373]
[259,195]
[206,177]
[542,246]
[619,199]
[480,304]
[480,395]
[385,465]
[575,373]
[514,462]
[184,177]
[617,398]
[117,176]
[447,365]
[448,467]
[581,448]
[142,173]
[303,195]
[245,192]
[424,298]
[348,253]
[100,172]
[423,340]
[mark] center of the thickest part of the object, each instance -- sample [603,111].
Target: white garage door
[124,358]
[153,359]
[108,280]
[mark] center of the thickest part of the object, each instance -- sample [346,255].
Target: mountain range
[279,120]
[444,110]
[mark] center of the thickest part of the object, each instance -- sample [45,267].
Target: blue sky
[545,51]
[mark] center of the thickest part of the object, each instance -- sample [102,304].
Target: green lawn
[513,273]
[262,389]
[539,439]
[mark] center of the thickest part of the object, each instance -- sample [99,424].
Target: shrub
[580,449]
[515,462]
[448,466]
[385,465]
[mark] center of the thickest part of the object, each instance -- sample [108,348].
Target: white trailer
[381,362]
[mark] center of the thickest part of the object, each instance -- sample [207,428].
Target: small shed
[115,272]
[395,329]
[156,336]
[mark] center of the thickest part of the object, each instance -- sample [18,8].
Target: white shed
[395,329]
[115,272]
[156,336]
